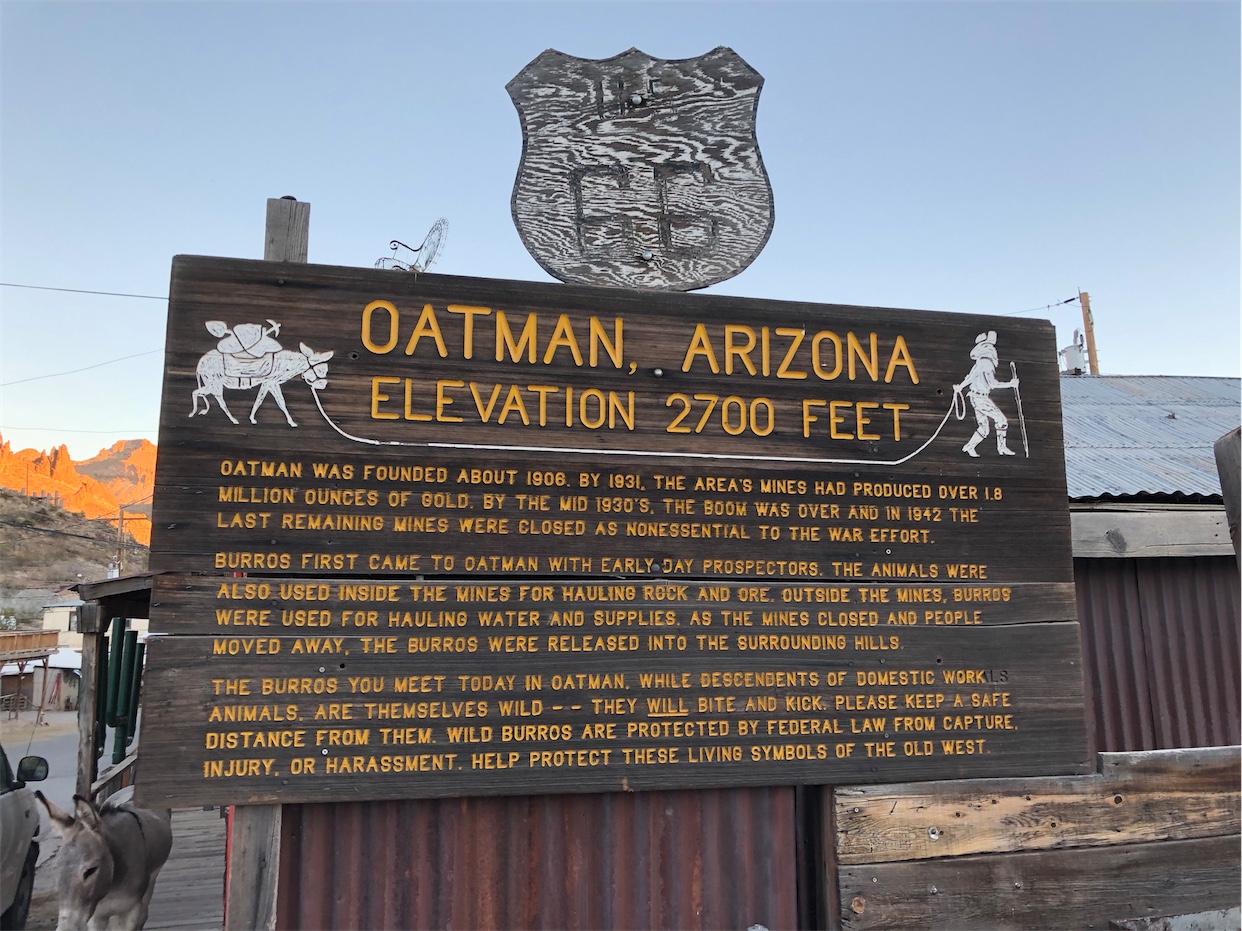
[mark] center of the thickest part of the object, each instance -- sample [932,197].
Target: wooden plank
[253,867]
[130,588]
[1127,535]
[1168,769]
[116,776]
[314,718]
[1072,888]
[296,606]
[676,470]
[190,890]
[87,699]
[288,230]
[1163,795]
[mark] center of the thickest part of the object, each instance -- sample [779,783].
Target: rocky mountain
[123,475]
[127,470]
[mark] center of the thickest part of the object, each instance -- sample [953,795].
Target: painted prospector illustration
[249,356]
[978,385]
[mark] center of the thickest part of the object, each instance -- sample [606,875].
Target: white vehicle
[19,824]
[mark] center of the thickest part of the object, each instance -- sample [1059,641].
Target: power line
[4,426]
[22,381]
[1035,310]
[40,287]
[65,533]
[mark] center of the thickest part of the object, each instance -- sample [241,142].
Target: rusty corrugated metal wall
[721,858]
[1161,651]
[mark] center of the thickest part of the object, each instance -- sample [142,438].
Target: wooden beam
[1044,889]
[288,230]
[253,868]
[1138,534]
[1135,797]
[88,698]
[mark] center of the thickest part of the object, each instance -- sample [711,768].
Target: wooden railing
[116,777]
[27,644]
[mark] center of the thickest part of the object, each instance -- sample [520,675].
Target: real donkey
[108,861]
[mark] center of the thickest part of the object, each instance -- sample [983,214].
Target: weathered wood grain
[641,172]
[277,607]
[238,725]
[88,699]
[641,491]
[1126,535]
[721,450]
[287,237]
[1135,798]
[253,872]
[1072,888]
[190,890]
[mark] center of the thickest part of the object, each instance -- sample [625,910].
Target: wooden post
[88,698]
[253,869]
[288,230]
[1088,328]
[1228,453]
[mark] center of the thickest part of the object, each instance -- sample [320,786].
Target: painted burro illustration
[248,356]
[641,172]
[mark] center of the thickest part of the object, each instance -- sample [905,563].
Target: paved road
[61,753]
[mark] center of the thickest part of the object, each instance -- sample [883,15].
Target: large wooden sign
[477,536]
[641,172]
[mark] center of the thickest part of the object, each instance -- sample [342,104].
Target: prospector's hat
[985,345]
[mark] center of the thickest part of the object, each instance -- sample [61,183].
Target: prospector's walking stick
[1026,447]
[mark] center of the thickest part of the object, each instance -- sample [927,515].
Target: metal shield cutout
[640,172]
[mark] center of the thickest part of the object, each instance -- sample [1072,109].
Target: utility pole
[120,542]
[1088,328]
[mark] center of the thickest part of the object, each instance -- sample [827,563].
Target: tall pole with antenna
[120,541]
[1088,328]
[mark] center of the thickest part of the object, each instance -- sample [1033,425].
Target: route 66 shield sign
[640,172]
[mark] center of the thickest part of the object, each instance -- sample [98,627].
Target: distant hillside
[127,470]
[96,488]
[46,548]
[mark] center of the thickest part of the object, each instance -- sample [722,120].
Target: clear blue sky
[976,157]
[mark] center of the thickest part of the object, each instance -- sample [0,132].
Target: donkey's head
[316,374]
[86,861]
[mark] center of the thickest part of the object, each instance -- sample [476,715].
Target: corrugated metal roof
[1129,435]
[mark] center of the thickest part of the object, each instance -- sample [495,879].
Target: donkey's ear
[62,821]
[217,327]
[85,811]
